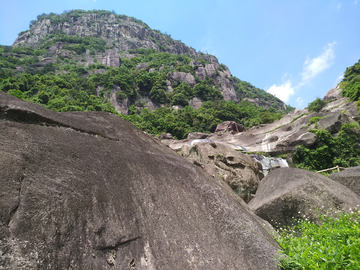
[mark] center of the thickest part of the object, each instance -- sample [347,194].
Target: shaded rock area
[88,190]
[230,126]
[166,136]
[288,193]
[349,177]
[239,171]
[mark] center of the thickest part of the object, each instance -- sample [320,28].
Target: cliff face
[123,34]
[119,37]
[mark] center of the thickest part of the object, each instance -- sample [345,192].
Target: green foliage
[179,99]
[334,244]
[245,89]
[60,93]
[315,119]
[66,84]
[351,82]
[296,118]
[330,151]
[317,105]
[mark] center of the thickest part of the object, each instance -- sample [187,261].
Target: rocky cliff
[292,130]
[89,38]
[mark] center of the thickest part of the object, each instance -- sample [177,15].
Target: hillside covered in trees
[101,61]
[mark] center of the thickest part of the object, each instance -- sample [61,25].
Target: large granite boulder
[241,172]
[349,177]
[333,93]
[230,126]
[88,190]
[182,77]
[288,193]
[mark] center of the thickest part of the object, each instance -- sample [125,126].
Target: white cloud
[299,102]
[355,2]
[339,79]
[283,91]
[339,6]
[313,67]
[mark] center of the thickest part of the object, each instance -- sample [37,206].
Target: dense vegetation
[351,82]
[317,105]
[332,244]
[330,151]
[65,84]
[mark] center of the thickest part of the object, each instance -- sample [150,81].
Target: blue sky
[296,50]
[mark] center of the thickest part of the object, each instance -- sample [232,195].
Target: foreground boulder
[241,172]
[349,177]
[288,193]
[88,190]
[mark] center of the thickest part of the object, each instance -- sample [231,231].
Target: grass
[334,244]
[296,118]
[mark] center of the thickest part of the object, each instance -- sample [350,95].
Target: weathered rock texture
[230,126]
[333,93]
[284,135]
[88,190]
[288,193]
[125,33]
[239,171]
[349,177]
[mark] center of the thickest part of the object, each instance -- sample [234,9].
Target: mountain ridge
[98,60]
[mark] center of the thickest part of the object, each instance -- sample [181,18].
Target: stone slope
[284,135]
[87,190]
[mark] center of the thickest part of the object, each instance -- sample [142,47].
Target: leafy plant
[330,151]
[317,105]
[333,244]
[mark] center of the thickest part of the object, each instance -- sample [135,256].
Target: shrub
[334,244]
[317,105]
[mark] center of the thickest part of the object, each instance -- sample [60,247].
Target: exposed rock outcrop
[182,77]
[239,171]
[88,190]
[125,33]
[333,93]
[288,193]
[349,177]
[284,135]
[230,126]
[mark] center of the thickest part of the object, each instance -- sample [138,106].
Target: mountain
[101,61]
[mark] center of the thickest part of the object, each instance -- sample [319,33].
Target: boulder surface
[241,172]
[88,190]
[349,177]
[288,193]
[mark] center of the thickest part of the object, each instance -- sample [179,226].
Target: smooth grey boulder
[288,193]
[230,126]
[333,93]
[349,177]
[241,172]
[88,190]
[182,77]
[166,136]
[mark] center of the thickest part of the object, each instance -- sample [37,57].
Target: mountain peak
[120,32]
